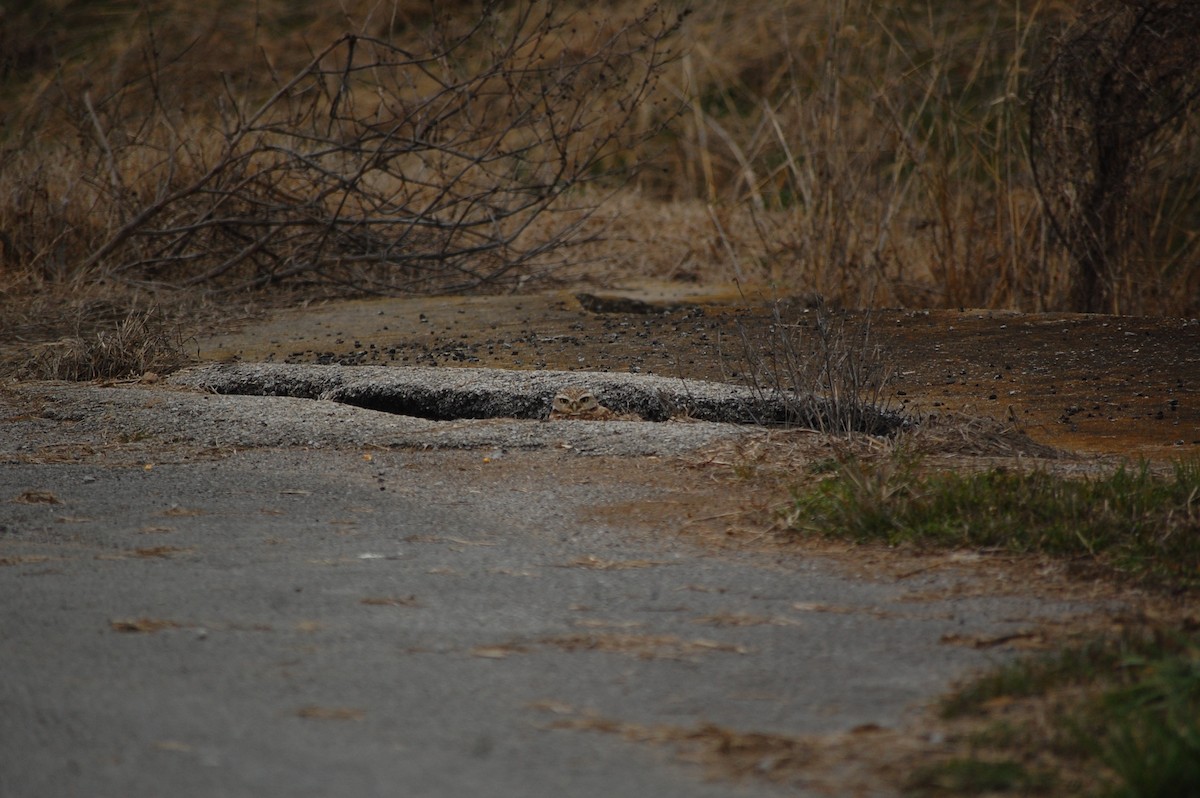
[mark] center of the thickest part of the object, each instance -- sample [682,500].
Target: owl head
[575,401]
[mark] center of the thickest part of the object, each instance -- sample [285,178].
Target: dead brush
[142,343]
[835,377]
[1114,126]
[376,166]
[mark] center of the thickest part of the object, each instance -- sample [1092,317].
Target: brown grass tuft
[143,342]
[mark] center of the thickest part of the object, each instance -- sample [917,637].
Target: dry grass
[380,162]
[868,154]
[141,345]
[82,331]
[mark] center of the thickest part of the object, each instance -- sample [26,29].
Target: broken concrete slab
[456,393]
[142,421]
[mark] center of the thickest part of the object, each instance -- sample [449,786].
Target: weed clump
[1124,715]
[1131,523]
[143,343]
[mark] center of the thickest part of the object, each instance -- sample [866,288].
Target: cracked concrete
[264,595]
[445,394]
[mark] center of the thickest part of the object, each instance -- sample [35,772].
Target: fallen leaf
[999,702]
[23,559]
[549,705]
[160,551]
[1021,640]
[146,625]
[37,497]
[866,728]
[643,646]
[813,606]
[497,652]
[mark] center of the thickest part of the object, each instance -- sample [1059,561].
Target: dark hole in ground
[441,394]
[439,404]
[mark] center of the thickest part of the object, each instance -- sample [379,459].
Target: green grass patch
[1118,716]
[1132,523]
[1071,667]
[969,776]
[1125,711]
[1150,723]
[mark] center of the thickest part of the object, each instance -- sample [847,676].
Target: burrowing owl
[580,404]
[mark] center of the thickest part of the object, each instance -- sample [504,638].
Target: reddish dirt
[1112,385]
[1095,384]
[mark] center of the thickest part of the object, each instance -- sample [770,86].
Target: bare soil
[1103,385]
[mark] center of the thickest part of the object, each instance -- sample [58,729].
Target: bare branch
[377,166]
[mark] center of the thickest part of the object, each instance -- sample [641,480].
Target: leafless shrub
[1114,132]
[374,166]
[835,376]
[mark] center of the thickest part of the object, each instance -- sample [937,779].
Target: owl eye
[587,401]
[562,402]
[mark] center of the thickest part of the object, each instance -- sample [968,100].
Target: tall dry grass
[382,162]
[878,148]
[884,149]
[873,153]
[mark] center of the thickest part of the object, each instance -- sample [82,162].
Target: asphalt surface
[262,596]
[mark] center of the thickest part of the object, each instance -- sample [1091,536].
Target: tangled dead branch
[380,168]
